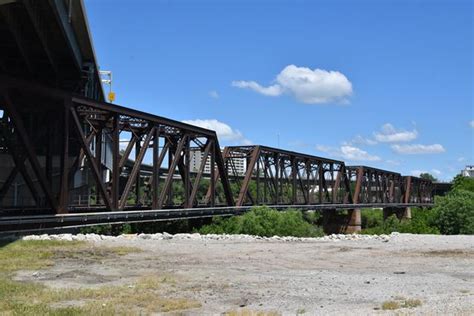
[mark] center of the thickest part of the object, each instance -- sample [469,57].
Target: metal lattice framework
[417,190]
[68,159]
[279,177]
[70,143]
[373,185]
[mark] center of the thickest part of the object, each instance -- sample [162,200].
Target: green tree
[455,212]
[463,183]
[428,176]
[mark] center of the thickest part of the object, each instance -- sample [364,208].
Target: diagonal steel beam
[136,169]
[8,182]
[248,176]
[11,111]
[205,156]
[90,158]
[128,150]
[171,168]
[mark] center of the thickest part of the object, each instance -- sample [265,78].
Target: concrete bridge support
[354,224]
[401,213]
[336,222]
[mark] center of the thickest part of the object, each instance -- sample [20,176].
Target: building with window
[239,164]
[468,171]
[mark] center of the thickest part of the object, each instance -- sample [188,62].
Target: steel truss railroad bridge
[69,159]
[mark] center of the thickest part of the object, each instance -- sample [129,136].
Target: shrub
[455,212]
[420,223]
[463,183]
[263,221]
[371,218]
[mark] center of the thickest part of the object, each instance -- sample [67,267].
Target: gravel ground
[337,274]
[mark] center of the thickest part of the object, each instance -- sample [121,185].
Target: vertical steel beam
[408,189]
[64,183]
[137,177]
[185,169]
[115,162]
[335,189]
[98,158]
[212,184]
[156,169]
[358,186]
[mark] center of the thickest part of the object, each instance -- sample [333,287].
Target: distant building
[468,171]
[196,158]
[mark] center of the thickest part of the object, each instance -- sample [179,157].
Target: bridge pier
[336,223]
[354,223]
[401,213]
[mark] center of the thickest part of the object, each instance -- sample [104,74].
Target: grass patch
[39,254]
[23,298]
[400,302]
[264,221]
[135,299]
[390,305]
[411,303]
[248,312]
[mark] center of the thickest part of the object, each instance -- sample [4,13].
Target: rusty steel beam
[200,173]
[279,175]
[135,169]
[375,185]
[90,158]
[27,145]
[64,183]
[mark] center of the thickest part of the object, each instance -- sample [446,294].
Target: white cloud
[306,85]
[418,149]
[359,140]
[213,94]
[436,172]
[461,159]
[224,131]
[272,91]
[471,123]
[389,134]
[347,152]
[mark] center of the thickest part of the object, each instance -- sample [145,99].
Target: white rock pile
[166,236]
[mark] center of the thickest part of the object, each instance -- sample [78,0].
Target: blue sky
[382,83]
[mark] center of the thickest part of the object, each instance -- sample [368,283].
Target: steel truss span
[63,156]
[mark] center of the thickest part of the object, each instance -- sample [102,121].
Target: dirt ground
[347,277]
